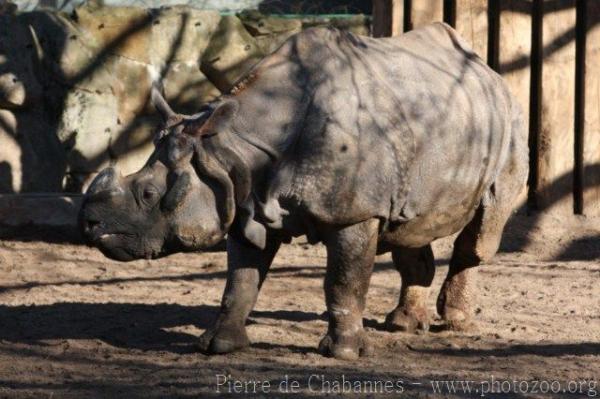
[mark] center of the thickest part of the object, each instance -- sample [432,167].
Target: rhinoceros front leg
[350,255]
[247,267]
[417,269]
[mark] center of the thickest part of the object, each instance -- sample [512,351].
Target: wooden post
[591,126]
[514,55]
[472,24]
[426,11]
[556,136]
[388,18]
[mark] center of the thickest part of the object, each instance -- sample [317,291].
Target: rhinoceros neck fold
[258,143]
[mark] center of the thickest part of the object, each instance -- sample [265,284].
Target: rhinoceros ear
[159,102]
[219,119]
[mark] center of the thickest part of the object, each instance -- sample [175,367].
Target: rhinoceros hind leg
[475,244]
[417,269]
[480,239]
[350,256]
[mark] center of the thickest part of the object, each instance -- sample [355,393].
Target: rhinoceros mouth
[96,230]
[103,237]
[106,236]
[96,233]
[117,245]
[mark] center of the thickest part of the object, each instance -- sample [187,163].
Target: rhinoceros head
[181,199]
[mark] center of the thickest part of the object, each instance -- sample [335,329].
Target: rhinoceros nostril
[91,225]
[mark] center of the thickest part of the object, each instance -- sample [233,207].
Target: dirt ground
[75,324]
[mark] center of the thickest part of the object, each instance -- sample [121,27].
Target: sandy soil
[75,324]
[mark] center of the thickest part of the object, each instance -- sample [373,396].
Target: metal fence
[549,53]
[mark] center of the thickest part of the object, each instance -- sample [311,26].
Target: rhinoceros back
[396,128]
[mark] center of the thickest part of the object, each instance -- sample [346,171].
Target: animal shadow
[126,325]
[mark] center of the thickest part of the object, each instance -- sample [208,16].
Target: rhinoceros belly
[444,192]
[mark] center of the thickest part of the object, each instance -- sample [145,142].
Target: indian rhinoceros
[366,145]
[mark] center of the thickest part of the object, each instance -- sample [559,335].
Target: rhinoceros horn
[39,51]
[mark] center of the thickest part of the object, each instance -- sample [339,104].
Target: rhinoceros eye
[149,195]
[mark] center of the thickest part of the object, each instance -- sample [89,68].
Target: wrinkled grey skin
[367,145]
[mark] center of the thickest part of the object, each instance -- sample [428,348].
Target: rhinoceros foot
[455,301]
[407,320]
[458,320]
[223,340]
[346,347]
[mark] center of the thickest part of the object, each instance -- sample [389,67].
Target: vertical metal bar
[450,12]
[408,25]
[535,103]
[580,50]
[381,25]
[493,55]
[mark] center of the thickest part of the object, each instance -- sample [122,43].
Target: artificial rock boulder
[119,53]
[231,53]
[269,32]
[74,87]
[31,159]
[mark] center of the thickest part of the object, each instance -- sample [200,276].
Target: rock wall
[266,6]
[74,87]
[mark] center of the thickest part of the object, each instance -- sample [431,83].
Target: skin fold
[366,145]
